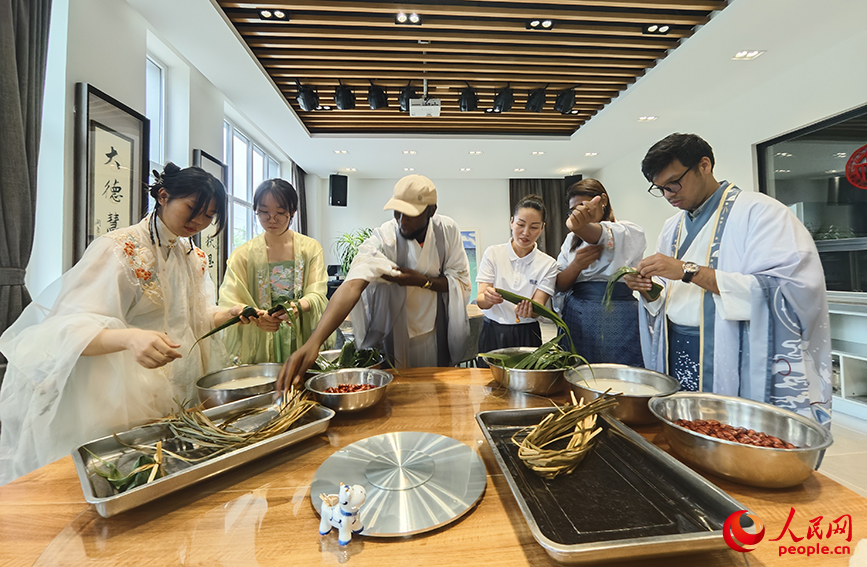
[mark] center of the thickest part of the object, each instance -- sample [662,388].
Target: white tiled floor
[845,461]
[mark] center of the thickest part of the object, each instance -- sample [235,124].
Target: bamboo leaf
[247,312]
[540,310]
[654,292]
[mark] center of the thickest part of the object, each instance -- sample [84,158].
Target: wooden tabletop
[261,513]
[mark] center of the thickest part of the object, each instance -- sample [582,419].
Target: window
[249,166]
[155,110]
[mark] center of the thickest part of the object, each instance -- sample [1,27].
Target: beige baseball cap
[412,195]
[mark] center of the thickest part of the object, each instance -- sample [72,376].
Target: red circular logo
[856,168]
[738,539]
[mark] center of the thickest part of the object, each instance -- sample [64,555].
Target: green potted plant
[347,245]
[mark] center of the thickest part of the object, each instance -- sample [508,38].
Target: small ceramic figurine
[341,511]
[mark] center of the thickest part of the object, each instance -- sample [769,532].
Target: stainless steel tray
[179,474]
[626,500]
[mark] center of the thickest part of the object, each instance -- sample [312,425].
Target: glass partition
[806,170]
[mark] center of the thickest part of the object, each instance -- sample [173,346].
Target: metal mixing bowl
[631,408]
[747,464]
[211,397]
[543,382]
[352,401]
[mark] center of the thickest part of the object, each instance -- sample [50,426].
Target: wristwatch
[690,269]
[427,284]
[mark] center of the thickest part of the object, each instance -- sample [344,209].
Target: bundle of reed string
[193,426]
[575,422]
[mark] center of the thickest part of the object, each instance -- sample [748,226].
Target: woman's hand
[524,309]
[488,297]
[586,255]
[270,323]
[587,212]
[151,349]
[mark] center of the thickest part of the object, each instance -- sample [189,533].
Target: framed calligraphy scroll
[215,246]
[110,170]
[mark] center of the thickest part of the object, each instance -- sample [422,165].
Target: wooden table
[261,514]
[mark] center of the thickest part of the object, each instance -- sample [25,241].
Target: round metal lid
[415,482]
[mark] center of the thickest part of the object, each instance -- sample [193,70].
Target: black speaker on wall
[337,190]
[571,180]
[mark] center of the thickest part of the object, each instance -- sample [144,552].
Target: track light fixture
[404,19]
[656,29]
[504,99]
[273,15]
[468,100]
[404,97]
[307,98]
[536,100]
[344,98]
[565,101]
[376,97]
[540,24]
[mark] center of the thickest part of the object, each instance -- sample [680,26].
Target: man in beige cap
[413,278]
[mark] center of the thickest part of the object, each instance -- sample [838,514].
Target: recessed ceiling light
[782,171]
[566,170]
[349,169]
[410,152]
[747,55]
[475,152]
[831,171]
[655,29]
[539,24]
[590,154]
[265,14]
[537,153]
[783,154]
[341,152]
[321,107]
[574,111]
[414,18]
[465,169]
[840,155]
[411,19]
[647,118]
[519,169]
[409,169]
[401,17]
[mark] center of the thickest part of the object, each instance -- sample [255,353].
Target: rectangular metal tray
[181,475]
[627,499]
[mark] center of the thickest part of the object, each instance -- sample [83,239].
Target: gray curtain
[553,193]
[23,51]
[298,175]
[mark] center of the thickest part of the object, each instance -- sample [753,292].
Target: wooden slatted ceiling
[597,46]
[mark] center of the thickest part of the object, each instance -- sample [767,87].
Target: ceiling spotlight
[344,98]
[647,118]
[565,101]
[504,99]
[840,155]
[321,107]
[409,169]
[265,14]
[465,169]
[410,152]
[574,111]
[746,55]
[489,110]
[411,19]
[349,169]
[655,29]
[519,169]
[376,97]
[307,98]
[537,153]
[784,154]
[831,171]
[405,95]
[468,100]
[540,24]
[475,152]
[536,100]
[590,154]
[341,152]
[782,171]
[566,170]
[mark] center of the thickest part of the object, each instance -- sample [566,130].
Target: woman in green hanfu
[275,268]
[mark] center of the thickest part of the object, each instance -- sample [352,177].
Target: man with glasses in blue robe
[744,311]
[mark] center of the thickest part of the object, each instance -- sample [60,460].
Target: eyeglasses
[672,187]
[266,217]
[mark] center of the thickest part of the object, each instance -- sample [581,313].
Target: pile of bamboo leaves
[349,357]
[654,292]
[576,422]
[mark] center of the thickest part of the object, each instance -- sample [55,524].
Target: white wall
[474,204]
[796,83]
[104,43]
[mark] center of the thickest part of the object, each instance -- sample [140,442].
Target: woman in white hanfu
[107,346]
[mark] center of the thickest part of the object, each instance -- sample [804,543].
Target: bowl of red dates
[741,440]
[349,389]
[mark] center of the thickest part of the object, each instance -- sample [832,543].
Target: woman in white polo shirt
[520,267]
